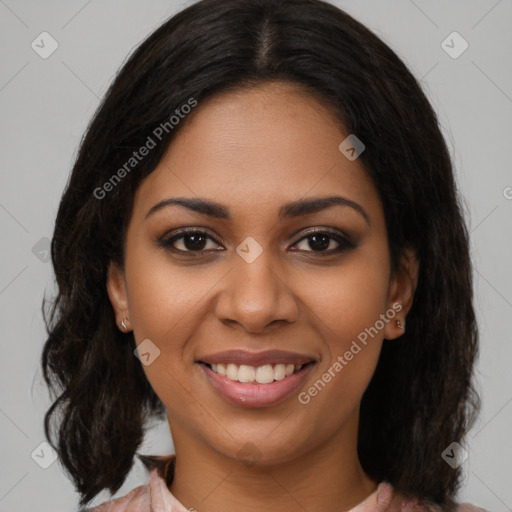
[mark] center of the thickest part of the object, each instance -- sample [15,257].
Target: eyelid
[326,230]
[179,232]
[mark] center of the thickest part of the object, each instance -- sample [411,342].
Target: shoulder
[415,506]
[137,500]
[467,507]
[396,502]
[140,499]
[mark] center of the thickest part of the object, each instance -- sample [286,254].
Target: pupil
[319,242]
[197,242]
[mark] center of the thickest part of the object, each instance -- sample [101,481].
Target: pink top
[156,497]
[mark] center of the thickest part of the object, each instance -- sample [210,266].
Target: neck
[327,478]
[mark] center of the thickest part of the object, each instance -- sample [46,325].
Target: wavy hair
[421,397]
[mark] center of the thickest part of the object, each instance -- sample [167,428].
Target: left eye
[319,241]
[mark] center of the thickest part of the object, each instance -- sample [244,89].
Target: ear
[401,292]
[116,289]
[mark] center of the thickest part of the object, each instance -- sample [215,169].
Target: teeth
[262,374]
[246,373]
[279,372]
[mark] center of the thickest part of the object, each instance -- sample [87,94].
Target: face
[268,278]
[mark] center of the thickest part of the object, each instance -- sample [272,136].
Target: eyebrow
[287,211]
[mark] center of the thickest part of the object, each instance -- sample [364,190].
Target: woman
[261,241]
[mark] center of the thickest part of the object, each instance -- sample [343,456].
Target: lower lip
[256,395]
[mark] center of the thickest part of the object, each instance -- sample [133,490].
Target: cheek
[347,304]
[348,299]
[167,304]
[164,298]
[345,319]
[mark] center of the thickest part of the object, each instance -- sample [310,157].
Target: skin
[254,151]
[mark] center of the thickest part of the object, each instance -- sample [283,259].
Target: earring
[123,324]
[400,325]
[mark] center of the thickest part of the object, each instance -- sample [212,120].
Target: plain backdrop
[46,104]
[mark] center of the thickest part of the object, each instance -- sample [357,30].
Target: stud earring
[123,324]
[400,325]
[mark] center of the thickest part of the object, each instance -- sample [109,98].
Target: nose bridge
[255,294]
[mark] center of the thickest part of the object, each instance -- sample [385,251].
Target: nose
[255,296]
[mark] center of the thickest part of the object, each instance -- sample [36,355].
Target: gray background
[46,105]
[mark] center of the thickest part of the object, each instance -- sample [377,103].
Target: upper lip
[249,358]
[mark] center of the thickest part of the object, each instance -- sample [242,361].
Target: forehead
[256,149]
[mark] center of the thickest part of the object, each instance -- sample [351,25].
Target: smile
[249,386]
[257,375]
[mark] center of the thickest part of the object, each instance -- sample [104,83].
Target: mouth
[255,379]
[264,374]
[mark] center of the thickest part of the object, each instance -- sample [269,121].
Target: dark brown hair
[421,397]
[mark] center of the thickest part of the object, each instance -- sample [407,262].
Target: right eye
[190,241]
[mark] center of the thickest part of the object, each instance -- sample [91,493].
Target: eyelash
[345,243]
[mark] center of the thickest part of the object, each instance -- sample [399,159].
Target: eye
[189,241]
[320,240]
